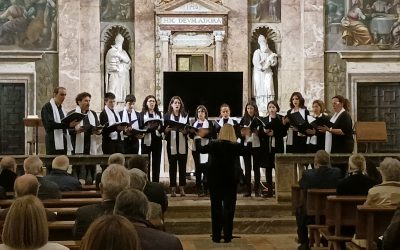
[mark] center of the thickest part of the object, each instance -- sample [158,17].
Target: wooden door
[381,102]
[12,112]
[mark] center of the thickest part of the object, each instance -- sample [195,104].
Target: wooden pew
[372,222]
[340,211]
[297,198]
[315,206]
[60,230]
[72,202]
[81,194]
[64,213]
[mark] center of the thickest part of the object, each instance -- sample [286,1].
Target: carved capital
[219,35]
[165,35]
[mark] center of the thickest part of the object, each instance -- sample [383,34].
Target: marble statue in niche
[265,10]
[117,73]
[263,83]
[116,10]
[28,24]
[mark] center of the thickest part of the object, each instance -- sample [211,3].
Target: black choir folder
[74,116]
[115,125]
[175,125]
[316,122]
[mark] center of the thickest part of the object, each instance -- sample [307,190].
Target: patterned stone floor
[243,242]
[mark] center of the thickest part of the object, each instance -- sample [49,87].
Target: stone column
[69,52]
[164,44]
[219,37]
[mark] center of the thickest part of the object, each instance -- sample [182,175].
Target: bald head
[33,165]
[25,185]
[8,162]
[60,162]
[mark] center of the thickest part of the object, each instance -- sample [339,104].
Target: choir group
[123,131]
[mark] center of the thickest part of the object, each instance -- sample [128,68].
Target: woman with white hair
[388,192]
[357,182]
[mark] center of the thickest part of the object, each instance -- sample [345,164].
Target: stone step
[193,207]
[277,225]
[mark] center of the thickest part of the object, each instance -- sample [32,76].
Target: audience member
[26,227]
[47,189]
[60,176]
[116,158]
[114,180]
[387,193]
[27,185]
[111,232]
[391,240]
[323,176]
[134,205]
[8,167]
[373,172]
[154,191]
[357,182]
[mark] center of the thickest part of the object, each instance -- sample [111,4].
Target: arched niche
[107,37]
[274,41]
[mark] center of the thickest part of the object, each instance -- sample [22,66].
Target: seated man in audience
[114,180]
[47,189]
[8,167]
[357,182]
[154,191]
[27,184]
[388,192]
[116,158]
[323,176]
[134,205]
[60,176]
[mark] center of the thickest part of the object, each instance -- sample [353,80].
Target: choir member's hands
[269,132]
[167,129]
[121,128]
[323,129]
[311,131]
[285,120]
[79,129]
[246,132]
[74,123]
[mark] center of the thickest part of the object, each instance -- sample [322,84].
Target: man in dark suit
[8,166]
[60,176]
[134,205]
[27,184]
[323,176]
[115,179]
[47,189]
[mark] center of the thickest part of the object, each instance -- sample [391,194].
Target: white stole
[111,121]
[328,135]
[312,139]
[181,138]
[147,136]
[125,118]
[272,138]
[221,122]
[58,133]
[204,141]
[79,139]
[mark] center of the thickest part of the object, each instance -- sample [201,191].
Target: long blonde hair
[227,133]
[25,226]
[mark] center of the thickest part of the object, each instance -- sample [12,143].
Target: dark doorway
[12,112]
[381,102]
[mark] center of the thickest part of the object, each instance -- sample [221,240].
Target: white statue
[263,83]
[118,65]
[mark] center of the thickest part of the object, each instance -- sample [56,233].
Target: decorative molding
[21,56]
[219,35]
[370,55]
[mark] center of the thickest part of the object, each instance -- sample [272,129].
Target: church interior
[211,52]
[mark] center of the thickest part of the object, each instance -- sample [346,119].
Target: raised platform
[191,215]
